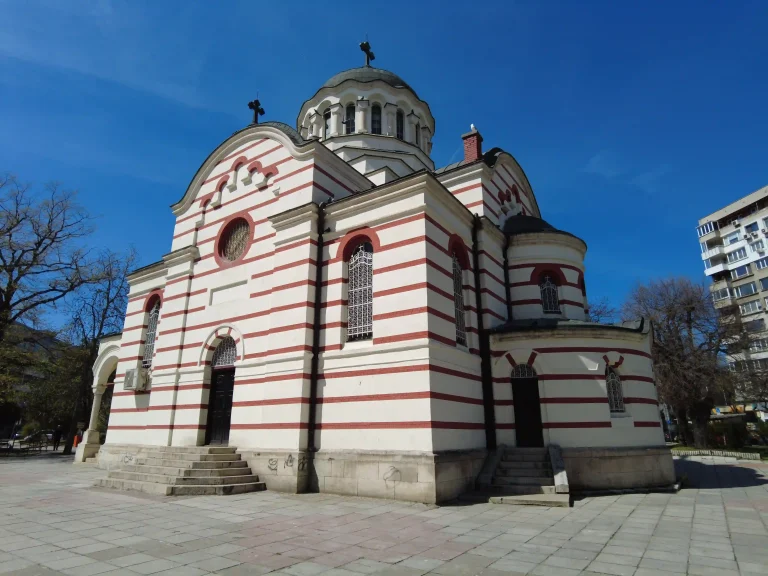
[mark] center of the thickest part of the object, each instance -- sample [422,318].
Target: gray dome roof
[368,74]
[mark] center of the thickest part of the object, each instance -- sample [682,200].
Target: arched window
[225,353]
[400,121]
[523,371]
[458,301]
[360,293]
[417,135]
[349,121]
[614,390]
[376,119]
[549,298]
[150,335]
[327,123]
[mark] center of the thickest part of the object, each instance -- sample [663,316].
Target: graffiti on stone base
[288,461]
[392,475]
[127,458]
[302,463]
[272,464]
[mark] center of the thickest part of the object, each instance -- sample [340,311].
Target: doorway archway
[529,431]
[220,395]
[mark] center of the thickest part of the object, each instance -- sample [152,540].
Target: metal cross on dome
[366,47]
[255,105]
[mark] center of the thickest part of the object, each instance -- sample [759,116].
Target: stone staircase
[185,471]
[523,476]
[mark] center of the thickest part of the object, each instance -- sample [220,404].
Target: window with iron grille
[376,119]
[349,121]
[150,335]
[327,124]
[360,293]
[458,301]
[400,120]
[225,353]
[523,371]
[235,239]
[614,390]
[550,301]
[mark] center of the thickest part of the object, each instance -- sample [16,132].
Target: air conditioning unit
[736,223]
[764,230]
[135,379]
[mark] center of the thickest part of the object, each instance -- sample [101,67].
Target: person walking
[57,434]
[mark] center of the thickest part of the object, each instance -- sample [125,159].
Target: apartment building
[734,248]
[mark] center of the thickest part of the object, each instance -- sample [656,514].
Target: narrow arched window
[349,121]
[327,123]
[458,301]
[150,335]
[614,390]
[400,121]
[225,353]
[376,119]
[417,135]
[360,293]
[550,301]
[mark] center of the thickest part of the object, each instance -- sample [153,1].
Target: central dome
[367,74]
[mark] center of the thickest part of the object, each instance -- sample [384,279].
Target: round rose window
[234,239]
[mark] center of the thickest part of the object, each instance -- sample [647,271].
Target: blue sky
[631,121]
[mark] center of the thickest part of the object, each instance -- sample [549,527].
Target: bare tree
[690,340]
[41,257]
[96,309]
[602,312]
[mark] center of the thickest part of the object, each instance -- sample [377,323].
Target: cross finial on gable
[255,105]
[366,47]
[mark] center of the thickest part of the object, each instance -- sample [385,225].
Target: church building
[344,316]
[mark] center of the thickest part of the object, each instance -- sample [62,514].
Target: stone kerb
[619,468]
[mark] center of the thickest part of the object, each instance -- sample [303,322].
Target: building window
[523,371]
[740,272]
[755,325]
[758,345]
[360,293]
[732,238]
[234,239]
[614,390]
[721,294]
[376,119]
[762,263]
[550,301]
[349,122]
[225,353]
[750,307]
[737,255]
[758,246]
[705,229]
[458,301]
[150,335]
[400,121]
[754,227]
[327,124]
[744,290]
[417,135]
[764,283]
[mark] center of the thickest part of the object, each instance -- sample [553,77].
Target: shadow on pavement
[718,474]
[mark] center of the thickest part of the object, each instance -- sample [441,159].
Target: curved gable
[508,176]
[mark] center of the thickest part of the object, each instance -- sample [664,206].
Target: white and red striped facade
[408,395]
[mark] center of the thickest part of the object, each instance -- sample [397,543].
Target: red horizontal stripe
[161,408]
[655,424]
[635,400]
[400,425]
[158,427]
[577,425]
[575,400]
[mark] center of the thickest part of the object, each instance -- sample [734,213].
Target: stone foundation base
[411,476]
[280,470]
[414,477]
[618,468]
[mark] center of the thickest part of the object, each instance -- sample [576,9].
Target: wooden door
[220,407]
[528,428]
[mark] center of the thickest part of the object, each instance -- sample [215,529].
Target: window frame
[349,119]
[614,389]
[152,320]
[376,118]
[355,259]
[459,305]
[400,125]
[549,287]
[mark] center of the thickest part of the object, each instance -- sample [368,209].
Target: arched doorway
[525,395]
[220,396]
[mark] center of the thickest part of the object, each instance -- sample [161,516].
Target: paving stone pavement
[53,522]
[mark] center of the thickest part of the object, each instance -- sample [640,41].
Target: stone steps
[523,481]
[185,471]
[519,465]
[516,497]
[184,480]
[531,472]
